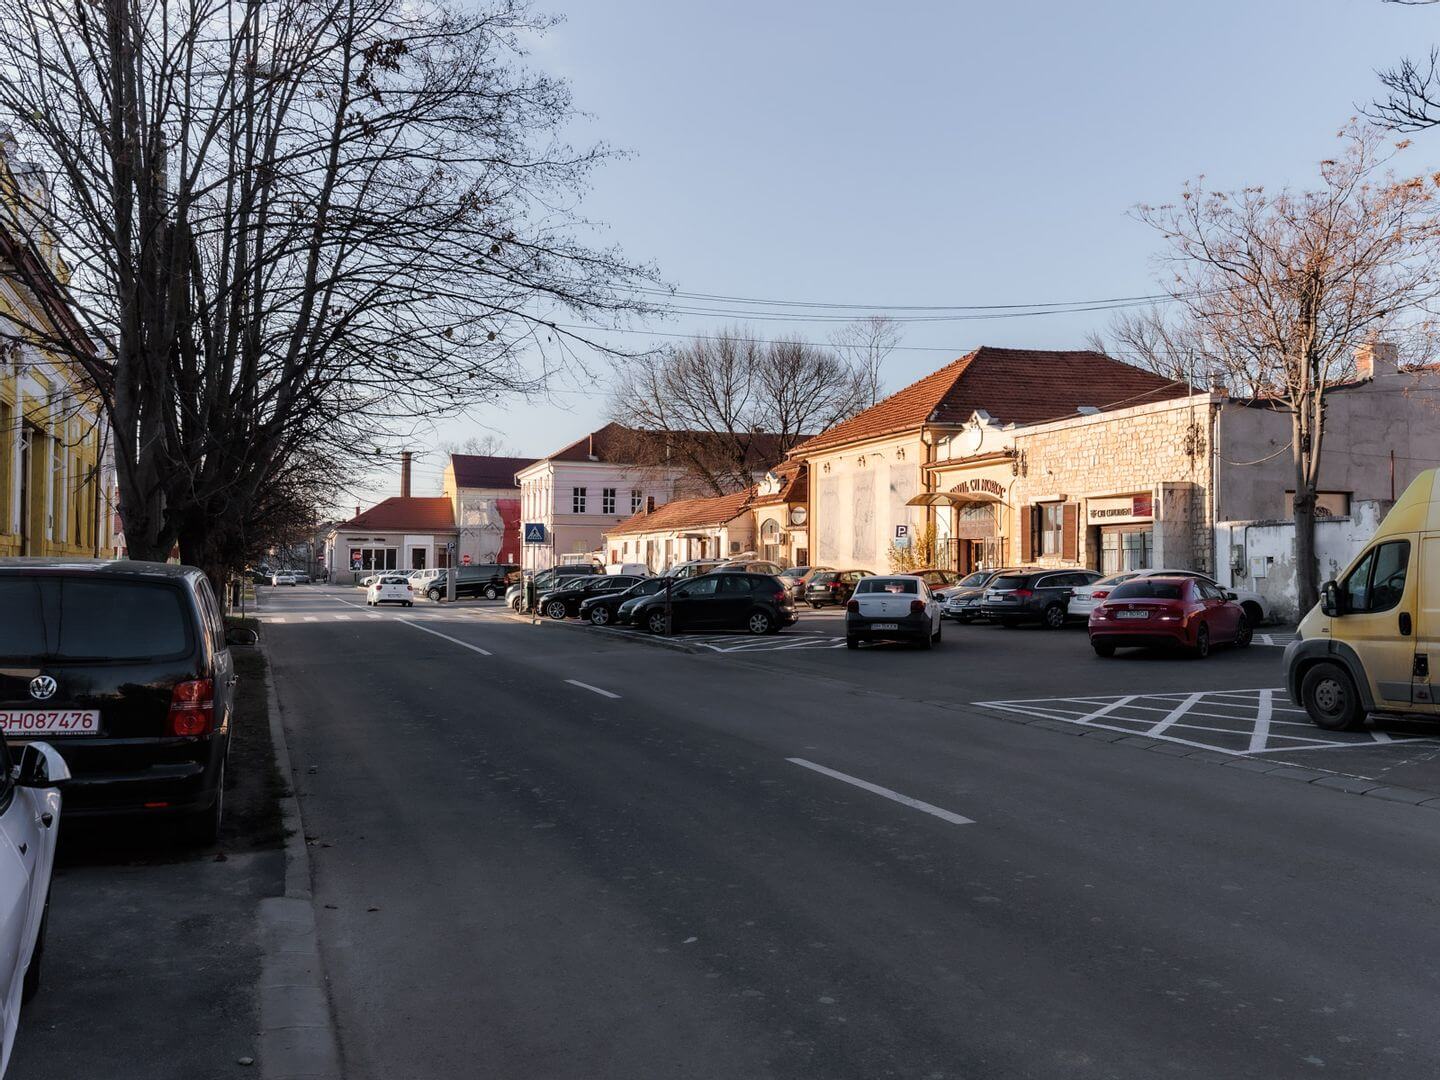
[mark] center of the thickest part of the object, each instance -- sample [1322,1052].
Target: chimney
[1377,358]
[357,509]
[404,474]
[649,504]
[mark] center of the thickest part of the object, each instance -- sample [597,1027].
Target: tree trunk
[196,550]
[1306,585]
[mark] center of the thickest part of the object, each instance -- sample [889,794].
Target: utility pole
[451,571]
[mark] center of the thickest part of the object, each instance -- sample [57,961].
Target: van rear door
[1427,629]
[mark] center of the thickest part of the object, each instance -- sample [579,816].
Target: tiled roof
[1022,386]
[612,443]
[617,444]
[484,471]
[687,514]
[412,515]
[794,479]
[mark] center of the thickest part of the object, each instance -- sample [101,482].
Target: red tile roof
[411,515]
[794,479]
[485,471]
[1023,386]
[687,514]
[617,444]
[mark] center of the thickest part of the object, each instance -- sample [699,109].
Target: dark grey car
[1041,596]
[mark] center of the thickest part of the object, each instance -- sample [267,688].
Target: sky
[930,153]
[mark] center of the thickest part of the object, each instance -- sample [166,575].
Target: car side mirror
[41,766]
[1330,602]
[241,635]
[1230,595]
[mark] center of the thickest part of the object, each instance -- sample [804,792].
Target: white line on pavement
[1261,732]
[884,792]
[408,621]
[1118,703]
[312,618]
[592,689]
[1175,714]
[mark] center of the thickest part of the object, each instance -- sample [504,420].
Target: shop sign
[1120,511]
[980,485]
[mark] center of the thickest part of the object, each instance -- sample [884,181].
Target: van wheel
[1329,696]
[491,593]
[1054,617]
[32,973]
[203,828]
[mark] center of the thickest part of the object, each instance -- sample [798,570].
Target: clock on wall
[797,515]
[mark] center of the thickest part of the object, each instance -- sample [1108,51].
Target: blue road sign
[534,532]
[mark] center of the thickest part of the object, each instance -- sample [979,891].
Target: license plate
[884,626]
[21,722]
[1132,614]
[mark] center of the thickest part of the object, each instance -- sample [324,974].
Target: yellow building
[51,431]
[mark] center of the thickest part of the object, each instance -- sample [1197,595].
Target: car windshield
[975,580]
[887,585]
[823,579]
[75,619]
[793,573]
[1117,579]
[1147,589]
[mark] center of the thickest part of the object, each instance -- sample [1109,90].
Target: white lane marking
[1175,714]
[592,689]
[1118,703]
[342,618]
[1261,733]
[372,615]
[276,619]
[884,792]
[408,621]
[312,618]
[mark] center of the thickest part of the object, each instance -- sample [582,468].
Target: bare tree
[1177,347]
[726,406]
[1285,286]
[867,343]
[491,444]
[292,223]
[1412,89]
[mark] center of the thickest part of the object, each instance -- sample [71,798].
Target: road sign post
[451,571]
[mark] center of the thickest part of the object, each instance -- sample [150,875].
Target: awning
[953,498]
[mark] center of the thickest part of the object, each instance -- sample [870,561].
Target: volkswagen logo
[42,687]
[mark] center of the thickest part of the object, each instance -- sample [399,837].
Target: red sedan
[1160,612]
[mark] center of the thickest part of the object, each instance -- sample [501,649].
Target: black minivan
[488,581]
[125,669]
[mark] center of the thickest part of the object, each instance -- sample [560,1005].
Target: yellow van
[1365,647]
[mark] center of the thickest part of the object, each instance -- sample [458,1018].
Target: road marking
[276,619]
[884,792]
[312,618]
[1118,703]
[409,621]
[592,689]
[1175,714]
[342,618]
[1261,733]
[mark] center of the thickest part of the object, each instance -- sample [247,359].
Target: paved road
[542,853]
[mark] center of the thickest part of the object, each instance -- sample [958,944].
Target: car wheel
[1103,648]
[1253,613]
[1330,698]
[935,637]
[852,642]
[32,973]
[409,603]
[433,594]
[1202,641]
[655,622]
[1243,633]
[202,829]
[600,616]
[491,593]
[555,609]
[814,606]
[1054,617]
[759,623]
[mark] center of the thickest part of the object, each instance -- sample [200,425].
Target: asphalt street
[541,852]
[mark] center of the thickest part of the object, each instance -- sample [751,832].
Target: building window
[1052,527]
[577,500]
[607,500]
[635,498]
[367,558]
[1125,549]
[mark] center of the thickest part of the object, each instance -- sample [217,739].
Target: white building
[572,498]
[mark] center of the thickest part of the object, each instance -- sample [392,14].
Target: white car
[1086,598]
[284,577]
[892,607]
[390,589]
[29,826]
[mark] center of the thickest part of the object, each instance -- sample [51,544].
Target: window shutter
[1070,532]
[1027,532]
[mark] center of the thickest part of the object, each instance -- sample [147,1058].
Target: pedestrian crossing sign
[534,532]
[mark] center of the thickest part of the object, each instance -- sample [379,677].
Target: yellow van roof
[1417,509]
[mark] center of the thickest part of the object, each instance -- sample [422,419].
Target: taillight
[1100,594]
[409,588]
[192,707]
[1023,594]
[917,606]
[852,605]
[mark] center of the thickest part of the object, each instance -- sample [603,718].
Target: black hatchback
[601,608]
[125,669]
[759,603]
[564,602]
[1041,596]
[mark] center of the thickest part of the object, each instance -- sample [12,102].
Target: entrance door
[1380,596]
[417,558]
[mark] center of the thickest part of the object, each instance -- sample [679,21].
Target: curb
[298,1040]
